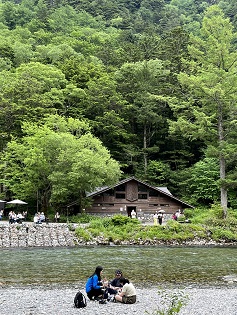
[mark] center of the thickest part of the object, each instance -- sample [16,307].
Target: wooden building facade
[133,194]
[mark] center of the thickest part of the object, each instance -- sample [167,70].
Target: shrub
[170,303]
[197,215]
[116,233]
[153,232]
[96,223]
[221,234]
[81,218]
[83,234]
[63,218]
[173,226]
[122,220]
[233,214]
[216,211]
[106,222]
[120,227]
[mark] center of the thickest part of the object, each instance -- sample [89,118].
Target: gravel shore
[59,301]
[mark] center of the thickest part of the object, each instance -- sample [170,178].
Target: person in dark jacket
[115,284]
[94,285]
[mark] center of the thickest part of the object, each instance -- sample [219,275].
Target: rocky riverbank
[59,301]
[29,234]
[36,235]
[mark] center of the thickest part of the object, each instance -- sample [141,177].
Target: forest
[95,91]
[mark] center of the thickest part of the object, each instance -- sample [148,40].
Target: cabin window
[164,205]
[154,193]
[121,187]
[142,188]
[109,192]
[153,205]
[120,196]
[108,204]
[142,196]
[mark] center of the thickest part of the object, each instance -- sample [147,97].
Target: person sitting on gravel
[115,285]
[94,285]
[128,293]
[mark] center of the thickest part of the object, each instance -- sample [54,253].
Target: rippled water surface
[143,265]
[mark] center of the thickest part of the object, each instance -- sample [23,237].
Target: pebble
[59,301]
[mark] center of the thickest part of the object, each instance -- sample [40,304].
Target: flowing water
[149,266]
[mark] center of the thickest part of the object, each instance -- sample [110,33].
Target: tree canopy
[153,81]
[57,161]
[208,110]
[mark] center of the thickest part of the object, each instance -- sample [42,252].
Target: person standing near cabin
[133,214]
[155,218]
[178,213]
[160,218]
[1,214]
[174,217]
[56,217]
[94,285]
[128,293]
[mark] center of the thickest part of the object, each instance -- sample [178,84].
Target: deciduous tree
[58,161]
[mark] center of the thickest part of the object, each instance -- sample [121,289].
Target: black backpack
[79,300]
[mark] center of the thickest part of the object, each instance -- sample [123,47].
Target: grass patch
[83,234]
[205,224]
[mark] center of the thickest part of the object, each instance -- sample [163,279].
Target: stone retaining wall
[36,235]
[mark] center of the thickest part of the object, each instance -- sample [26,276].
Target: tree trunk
[222,164]
[144,148]
[223,188]
[45,197]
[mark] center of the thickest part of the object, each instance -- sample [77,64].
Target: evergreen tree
[208,110]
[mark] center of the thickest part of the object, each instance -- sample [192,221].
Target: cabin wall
[133,196]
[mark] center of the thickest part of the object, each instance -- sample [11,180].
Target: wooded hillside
[147,88]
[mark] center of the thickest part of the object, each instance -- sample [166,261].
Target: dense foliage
[204,226]
[152,81]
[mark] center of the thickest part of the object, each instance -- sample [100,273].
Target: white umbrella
[17,202]
[161,211]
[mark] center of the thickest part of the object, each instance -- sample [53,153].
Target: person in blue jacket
[94,285]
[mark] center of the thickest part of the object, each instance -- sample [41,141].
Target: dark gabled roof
[162,190]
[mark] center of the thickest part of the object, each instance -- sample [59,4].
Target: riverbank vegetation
[171,303]
[203,225]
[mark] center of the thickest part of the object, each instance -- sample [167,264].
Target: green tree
[9,14]
[106,109]
[191,13]
[29,93]
[142,85]
[158,173]
[229,7]
[209,109]
[64,18]
[203,183]
[57,161]
[173,48]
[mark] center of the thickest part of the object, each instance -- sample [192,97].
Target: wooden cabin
[133,194]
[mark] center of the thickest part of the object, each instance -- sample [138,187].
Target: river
[145,266]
